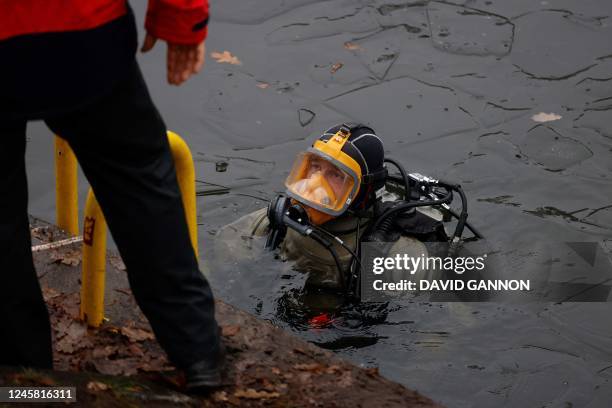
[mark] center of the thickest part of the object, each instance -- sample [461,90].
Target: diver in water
[339,195]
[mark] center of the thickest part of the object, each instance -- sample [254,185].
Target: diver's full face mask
[324,179]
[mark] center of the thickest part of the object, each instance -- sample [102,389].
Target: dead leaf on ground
[336,67]
[333,369]
[312,367]
[352,46]
[160,364]
[250,393]
[72,337]
[49,293]
[230,330]
[135,334]
[225,57]
[117,263]
[125,366]
[44,234]
[30,376]
[304,377]
[104,352]
[70,257]
[135,350]
[45,381]
[97,386]
[262,85]
[220,396]
[372,372]
[545,117]
[276,370]
[345,380]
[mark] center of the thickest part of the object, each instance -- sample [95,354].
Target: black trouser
[121,144]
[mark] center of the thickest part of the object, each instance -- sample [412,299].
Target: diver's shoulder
[251,224]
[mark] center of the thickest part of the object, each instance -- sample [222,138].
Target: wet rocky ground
[511,98]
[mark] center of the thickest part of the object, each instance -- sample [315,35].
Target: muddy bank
[121,363]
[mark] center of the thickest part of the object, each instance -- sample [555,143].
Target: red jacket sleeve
[178,21]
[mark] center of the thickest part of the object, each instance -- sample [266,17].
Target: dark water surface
[451,87]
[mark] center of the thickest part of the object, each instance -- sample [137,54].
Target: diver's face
[332,174]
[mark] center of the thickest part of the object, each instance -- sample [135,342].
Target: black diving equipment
[414,189]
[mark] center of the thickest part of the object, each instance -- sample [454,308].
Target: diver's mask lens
[317,182]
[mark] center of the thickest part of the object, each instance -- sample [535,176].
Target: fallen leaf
[262,85]
[117,263]
[49,293]
[545,117]
[225,57]
[305,377]
[250,393]
[372,372]
[70,257]
[313,367]
[135,334]
[72,337]
[352,46]
[230,330]
[333,369]
[96,386]
[46,381]
[31,377]
[44,234]
[160,364]
[276,370]
[346,380]
[220,396]
[104,352]
[124,366]
[243,365]
[336,67]
[135,350]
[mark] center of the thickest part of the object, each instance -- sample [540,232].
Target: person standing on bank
[72,64]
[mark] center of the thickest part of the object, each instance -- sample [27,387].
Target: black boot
[204,376]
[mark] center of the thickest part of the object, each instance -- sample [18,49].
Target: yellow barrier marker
[66,197]
[185,173]
[94,234]
[94,263]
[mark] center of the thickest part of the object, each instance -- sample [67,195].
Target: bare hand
[183,60]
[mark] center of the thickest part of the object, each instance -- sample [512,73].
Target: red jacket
[176,21]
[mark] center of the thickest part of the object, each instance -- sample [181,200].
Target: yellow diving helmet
[327,178]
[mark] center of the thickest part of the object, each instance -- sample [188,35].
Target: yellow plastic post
[185,173]
[94,263]
[66,197]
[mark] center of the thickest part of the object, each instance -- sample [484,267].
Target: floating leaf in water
[352,46]
[545,117]
[336,67]
[225,57]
